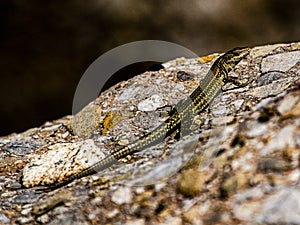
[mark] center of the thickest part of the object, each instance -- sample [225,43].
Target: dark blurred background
[47,45]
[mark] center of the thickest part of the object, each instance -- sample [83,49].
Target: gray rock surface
[241,166]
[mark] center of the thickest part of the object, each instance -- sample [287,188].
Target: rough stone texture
[83,127]
[59,161]
[240,167]
[280,62]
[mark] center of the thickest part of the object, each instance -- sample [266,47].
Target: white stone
[280,62]
[281,140]
[281,208]
[60,161]
[122,195]
[287,103]
[152,103]
[264,50]
[135,222]
[129,93]
[257,129]
[4,219]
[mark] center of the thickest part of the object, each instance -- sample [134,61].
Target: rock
[269,77]
[256,129]
[280,62]
[14,186]
[191,182]
[60,161]
[233,184]
[172,221]
[86,121]
[25,212]
[219,121]
[262,51]
[283,139]
[122,195]
[23,146]
[282,207]
[239,166]
[50,203]
[4,219]
[193,215]
[25,220]
[287,104]
[113,213]
[184,76]
[151,104]
[272,165]
[136,222]
[274,88]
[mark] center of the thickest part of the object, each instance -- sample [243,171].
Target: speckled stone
[60,161]
[233,184]
[122,195]
[152,103]
[136,222]
[171,220]
[283,139]
[4,219]
[191,182]
[193,215]
[86,121]
[287,104]
[261,51]
[23,146]
[243,172]
[274,88]
[272,164]
[282,207]
[280,62]
[256,129]
[269,77]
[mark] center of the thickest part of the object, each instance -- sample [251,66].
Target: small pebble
[184,76]
[25,212]
[122,195]
[269,77]
[123,142]
[287,104]
[14,186]
[272,164]
[191,182]
[4,219]
[151,104]
[281,140]
[233,184]
[136,222]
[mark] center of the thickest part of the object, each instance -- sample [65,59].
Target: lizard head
[233,57]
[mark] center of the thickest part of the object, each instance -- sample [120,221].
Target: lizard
[180,116]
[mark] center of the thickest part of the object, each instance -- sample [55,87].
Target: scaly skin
[180,115]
